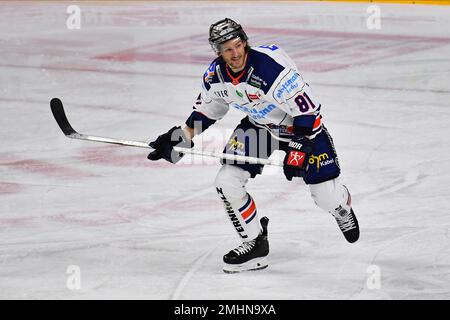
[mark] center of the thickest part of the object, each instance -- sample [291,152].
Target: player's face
[233,52]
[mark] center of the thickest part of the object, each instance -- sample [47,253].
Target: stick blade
[60,116]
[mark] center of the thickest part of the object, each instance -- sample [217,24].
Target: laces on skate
[245,247]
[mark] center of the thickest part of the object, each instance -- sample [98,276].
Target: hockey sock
[243,215]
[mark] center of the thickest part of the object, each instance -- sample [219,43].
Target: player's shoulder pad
[210,76]
[266,65]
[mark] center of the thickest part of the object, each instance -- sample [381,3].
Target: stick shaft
[61,118]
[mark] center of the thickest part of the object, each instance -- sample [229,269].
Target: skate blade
[252,265]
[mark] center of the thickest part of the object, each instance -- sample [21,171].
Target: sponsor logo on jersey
[240,94]
[253,96]
[296,158]
[321,160]
[280,130]
[236,146]
[229,209]
[256,81]
[288,86]
[221,93]
[296,145]
[255,113]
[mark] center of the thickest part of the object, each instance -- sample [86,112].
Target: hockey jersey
[270,91]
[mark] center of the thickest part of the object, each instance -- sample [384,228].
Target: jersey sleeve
[295,97]
[212,107]
[207,108]
[287,87]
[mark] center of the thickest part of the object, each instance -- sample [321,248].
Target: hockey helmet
[224,30]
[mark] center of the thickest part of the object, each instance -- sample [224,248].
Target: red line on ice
[16,222]
[324,49]
[42,167]
[10,188]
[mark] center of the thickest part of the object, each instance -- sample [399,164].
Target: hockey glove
[164,144]
[296,159]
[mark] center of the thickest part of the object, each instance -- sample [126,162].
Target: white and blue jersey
[270,91]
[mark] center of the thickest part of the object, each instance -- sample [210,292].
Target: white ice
[142,230]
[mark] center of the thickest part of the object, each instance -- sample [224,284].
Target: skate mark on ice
[24,222]
[135,214]
[381,88]
[411,178]
[412,266]
[119,157]
[190,273]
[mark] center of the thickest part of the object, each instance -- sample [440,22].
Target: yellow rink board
[432,2]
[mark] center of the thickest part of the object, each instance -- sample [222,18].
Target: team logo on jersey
[209,74]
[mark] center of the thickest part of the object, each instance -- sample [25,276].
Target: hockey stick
[57,108]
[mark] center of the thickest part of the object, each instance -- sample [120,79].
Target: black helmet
[224,30]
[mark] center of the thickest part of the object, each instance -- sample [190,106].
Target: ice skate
[347,222]
[250,255]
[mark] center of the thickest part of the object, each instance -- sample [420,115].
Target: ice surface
[142,230]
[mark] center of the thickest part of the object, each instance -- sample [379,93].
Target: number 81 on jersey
[304,102]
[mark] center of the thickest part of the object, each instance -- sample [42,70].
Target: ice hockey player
[281,114]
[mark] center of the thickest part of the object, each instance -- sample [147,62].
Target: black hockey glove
[164,144]
[296,159]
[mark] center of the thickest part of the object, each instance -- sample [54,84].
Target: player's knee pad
[231,181]
[329,195]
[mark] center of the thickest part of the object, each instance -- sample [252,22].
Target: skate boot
[346,220]
[249,255]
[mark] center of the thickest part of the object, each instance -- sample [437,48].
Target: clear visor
[230,45]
